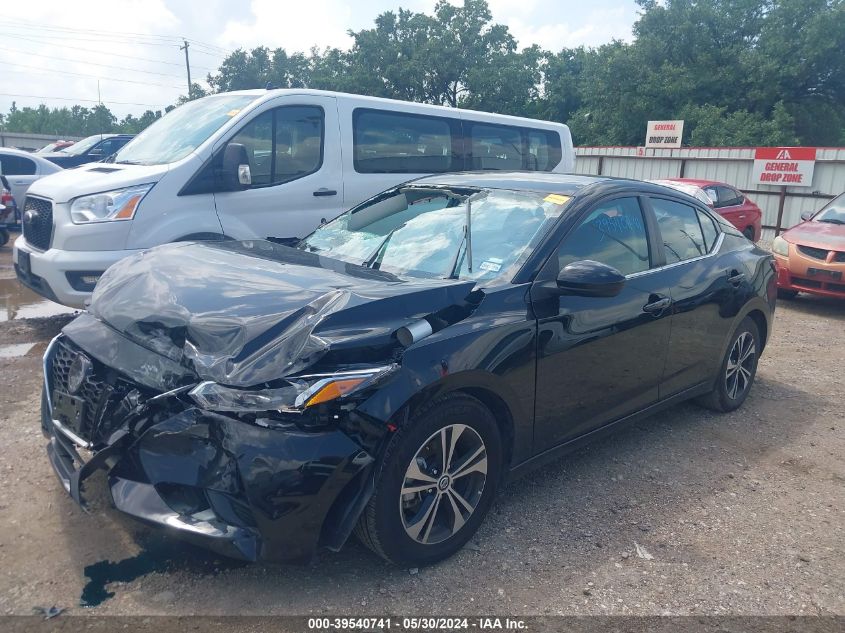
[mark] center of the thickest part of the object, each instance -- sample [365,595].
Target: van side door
[293,149]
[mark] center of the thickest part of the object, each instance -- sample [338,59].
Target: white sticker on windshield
[491,266]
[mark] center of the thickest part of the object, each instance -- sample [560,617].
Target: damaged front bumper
[241,489]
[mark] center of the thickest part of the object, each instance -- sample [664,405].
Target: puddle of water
[16,350]
[19,302]
[159,554]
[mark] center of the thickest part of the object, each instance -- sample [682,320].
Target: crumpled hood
[245,313]
[818,235]
[65,185]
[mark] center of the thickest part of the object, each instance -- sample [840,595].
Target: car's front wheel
[737,371]
[786,293]
[437,481]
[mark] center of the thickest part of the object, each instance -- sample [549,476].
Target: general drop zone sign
[787,166]
[664,134]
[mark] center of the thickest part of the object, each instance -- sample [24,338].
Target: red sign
[792,166]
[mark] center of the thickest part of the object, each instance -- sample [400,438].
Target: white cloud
[294,26]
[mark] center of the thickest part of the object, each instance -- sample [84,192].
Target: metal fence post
[781,201]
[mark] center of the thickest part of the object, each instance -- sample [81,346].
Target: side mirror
[590,279]
[807,215]
[235,172]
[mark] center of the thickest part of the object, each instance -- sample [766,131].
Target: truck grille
[38,222]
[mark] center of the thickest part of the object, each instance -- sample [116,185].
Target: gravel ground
[688,512]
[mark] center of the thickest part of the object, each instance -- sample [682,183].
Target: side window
[613,234]
[495,147]
[11,165]
[681,232]
[283,144]
[544,152]
[711,193]
[106,148]
[400,143]
[708,227]
[728,197]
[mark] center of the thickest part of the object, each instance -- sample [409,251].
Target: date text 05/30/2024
[318,625]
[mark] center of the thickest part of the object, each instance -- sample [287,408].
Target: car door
[21,172]
[703,287]
[295,166]
[600,358]
[729,205]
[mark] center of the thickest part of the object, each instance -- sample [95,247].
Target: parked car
[810,257]
[88,150]
[8,211]
[22,169]
[258,164]
[729,202]
[54,147]
[403,360]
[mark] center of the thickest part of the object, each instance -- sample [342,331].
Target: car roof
[519,180]
[700,182]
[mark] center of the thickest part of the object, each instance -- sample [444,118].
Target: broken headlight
[300,393]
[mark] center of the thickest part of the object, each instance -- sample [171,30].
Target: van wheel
[437,481]
[737,371]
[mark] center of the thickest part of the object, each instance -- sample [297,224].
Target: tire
[785,293]
[749,233]
[735,379]
[4,237]
[420,526]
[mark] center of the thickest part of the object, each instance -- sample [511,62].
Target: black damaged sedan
[390,371]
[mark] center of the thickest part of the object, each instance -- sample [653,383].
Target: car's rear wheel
[437,481]
[785,293]
[4,237]
[737,371]
[749,232]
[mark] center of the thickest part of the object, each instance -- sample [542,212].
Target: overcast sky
[54,51]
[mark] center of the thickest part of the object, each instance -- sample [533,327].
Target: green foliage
[739,72]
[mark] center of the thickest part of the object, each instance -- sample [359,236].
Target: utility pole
[187,65]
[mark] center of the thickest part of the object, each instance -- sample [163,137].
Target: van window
[401,143]
[283,144]
[544,152]
[496,147]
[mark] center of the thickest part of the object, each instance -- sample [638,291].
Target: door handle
[735,277]
[322,191]
[20,182]
[658,306]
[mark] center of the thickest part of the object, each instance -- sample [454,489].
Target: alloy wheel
[443,484]
[740,365]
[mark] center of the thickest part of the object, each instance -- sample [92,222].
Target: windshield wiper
[373,260]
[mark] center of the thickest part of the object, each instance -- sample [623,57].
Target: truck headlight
[780,246]
[300,393]
[119,204]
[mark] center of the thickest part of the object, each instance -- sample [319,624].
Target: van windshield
[182,130]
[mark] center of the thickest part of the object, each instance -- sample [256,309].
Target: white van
[256,164]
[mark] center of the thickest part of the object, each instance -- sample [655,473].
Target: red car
[727,201]
[810,257]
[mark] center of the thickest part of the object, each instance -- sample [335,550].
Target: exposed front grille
[92,391]
[839,257]
[38,222]
[815,253]
[807,283]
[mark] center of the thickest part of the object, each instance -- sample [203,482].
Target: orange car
[810,256]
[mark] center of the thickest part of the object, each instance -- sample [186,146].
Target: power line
[80,61]
[100,52]
[68,72]
[146,105]
[22,23]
